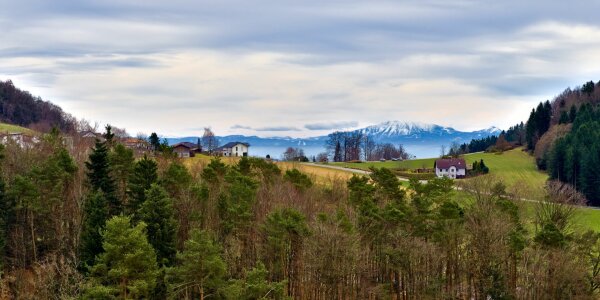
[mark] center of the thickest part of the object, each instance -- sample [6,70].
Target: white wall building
[234,149]
[450,167]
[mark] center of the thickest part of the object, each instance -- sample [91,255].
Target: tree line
[100,223]
[514,136]
[562,135]
[354,146]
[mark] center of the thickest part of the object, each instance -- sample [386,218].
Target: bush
[300,180]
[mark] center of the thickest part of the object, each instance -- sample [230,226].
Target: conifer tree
[98,173]
[127,269]
[121,162]
[285,230]
[572,113]
[143,176]
[201,269]
[158,215]
[96,214]
[154,141]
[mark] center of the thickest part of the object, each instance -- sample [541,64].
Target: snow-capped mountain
[395,131]
[420,139]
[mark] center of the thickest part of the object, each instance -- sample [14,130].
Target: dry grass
[320,174]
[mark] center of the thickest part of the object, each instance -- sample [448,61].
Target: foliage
[21,108]
[200,270]
[300,180]
[158,215]
[98,173]
[143,176]
[574,159]
[127,269]
[96,214]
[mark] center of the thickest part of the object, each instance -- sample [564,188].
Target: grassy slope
[319,174]
[511,166]
[9,128]
[584,219]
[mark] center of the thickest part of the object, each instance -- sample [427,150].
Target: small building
[186,149]
[234,149]
[450,167]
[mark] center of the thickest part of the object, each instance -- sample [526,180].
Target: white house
[234,149]
[450,167]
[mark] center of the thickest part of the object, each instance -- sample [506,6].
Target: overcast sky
[297,68]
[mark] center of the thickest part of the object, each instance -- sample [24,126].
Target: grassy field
[319,174]
[512,167]
[583,220]
[9,128]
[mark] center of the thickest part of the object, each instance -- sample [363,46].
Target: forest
[21,108]
[563,136]
[96,222]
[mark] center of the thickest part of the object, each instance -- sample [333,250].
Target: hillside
[9,128]
[21,108]
[512,166]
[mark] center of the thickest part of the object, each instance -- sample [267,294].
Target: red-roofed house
[450,167]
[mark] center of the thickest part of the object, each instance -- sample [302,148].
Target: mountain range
[419,139]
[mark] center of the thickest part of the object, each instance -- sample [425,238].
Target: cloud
[331,125]
[237,126]
[171,67]
[277,128]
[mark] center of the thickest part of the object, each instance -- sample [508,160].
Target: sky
[297,68]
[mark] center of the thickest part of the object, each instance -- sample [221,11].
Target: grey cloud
[237,126]
[331,125]
[277,128]
[372,44]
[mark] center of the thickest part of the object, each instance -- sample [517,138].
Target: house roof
[186,145]
[232,144]
[445,163]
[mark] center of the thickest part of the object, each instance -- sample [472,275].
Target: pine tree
[256,285]
[145,173]
[564,118]
[572,113]
[158,215]
[98,173]
[121,162]
[109,136]
[127,269]
[154,141]
[96,214]
[201,270]
[285,230]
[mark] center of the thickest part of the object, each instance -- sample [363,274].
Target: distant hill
[422,140]
[21,108]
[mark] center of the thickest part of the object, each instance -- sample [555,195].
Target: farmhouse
[186,149]
[450,167]
[234,149]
